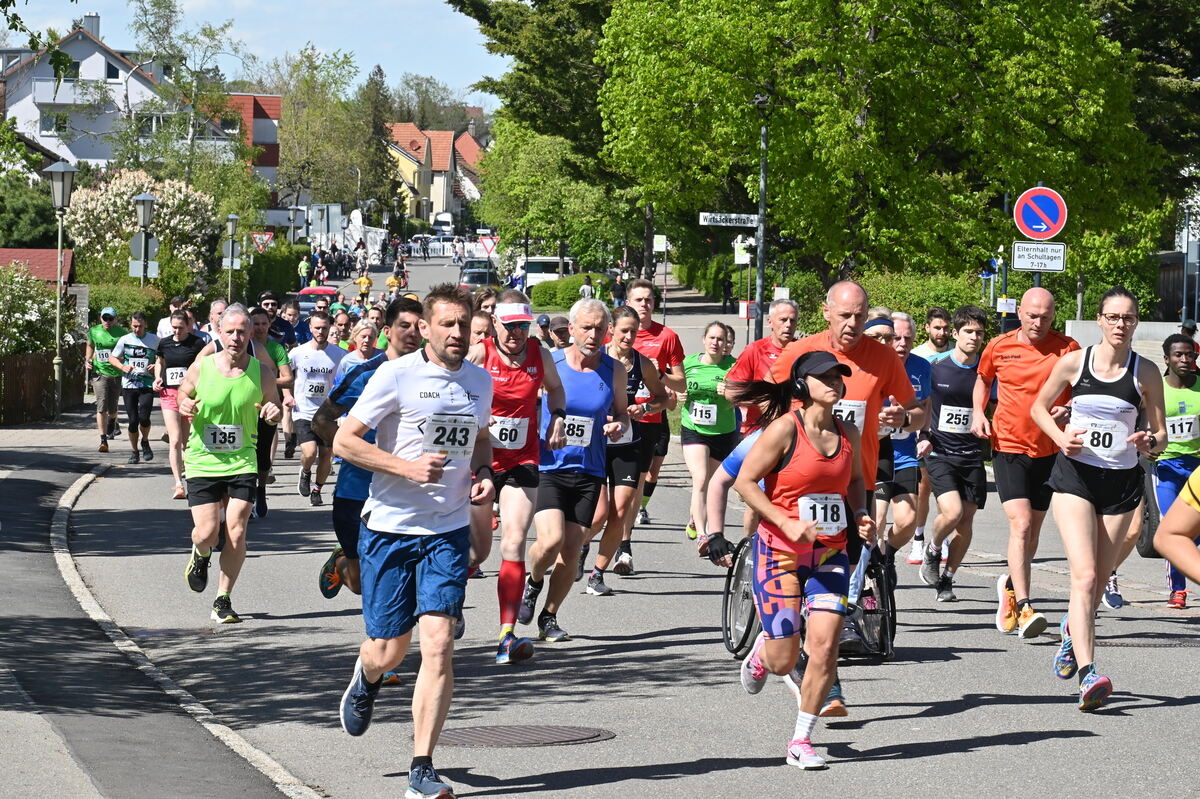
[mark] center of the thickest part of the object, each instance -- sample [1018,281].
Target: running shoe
[583,553]
[548,630]
[390,678]
[931,564]
[460,626]
[795,678]
[624,563]
[850,640]
[270,480]
[314,498]
[424,783]
[1006,607]
[690,531]
[643,516]
[147,453]
[528,602]
[260,503]
[1030,623]
[289,448]
[1112,598]
[358,702]
[800,753]
[945,589]
[946,550]
[1178,600]
[596,586]
[513,649]
[753,672]
[329,581]
[835,703]
[304,484]
[134,457]
[1064,660]
[222,610]
[476,574]
[196,572]
[103,445]
[1093,690]
[916,553]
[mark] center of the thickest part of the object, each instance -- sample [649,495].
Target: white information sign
[1039,256]
[729,220]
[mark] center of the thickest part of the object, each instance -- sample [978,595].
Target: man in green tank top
[106,378]
[226,393]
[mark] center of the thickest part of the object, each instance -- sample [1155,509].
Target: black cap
[543,320]
[559,322]
[818,362]
[1189,324]
[268,295]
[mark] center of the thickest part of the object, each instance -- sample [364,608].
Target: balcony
[69,92]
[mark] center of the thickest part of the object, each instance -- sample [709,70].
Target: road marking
[284,780]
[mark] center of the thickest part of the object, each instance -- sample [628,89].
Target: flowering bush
[27,308]
[101,221]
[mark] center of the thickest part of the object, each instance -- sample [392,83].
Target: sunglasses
[517,325]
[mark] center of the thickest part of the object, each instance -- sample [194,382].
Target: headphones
[800,383]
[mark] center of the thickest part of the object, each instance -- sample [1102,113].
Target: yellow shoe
[1006,610]
[1030,623]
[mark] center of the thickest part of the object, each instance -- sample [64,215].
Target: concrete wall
[1147,338]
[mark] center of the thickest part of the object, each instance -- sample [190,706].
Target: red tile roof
[412,140]
[468,149]
[409,138]
[442,144]
[42,263]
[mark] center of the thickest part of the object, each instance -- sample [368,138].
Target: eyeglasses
[517,326]
[1129,320]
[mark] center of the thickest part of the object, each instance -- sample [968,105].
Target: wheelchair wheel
[739,619]
[875,616]
[1150,515]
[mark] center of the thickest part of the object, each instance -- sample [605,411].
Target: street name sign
[729,220]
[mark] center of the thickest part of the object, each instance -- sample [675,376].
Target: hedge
[275,269]
[126,299]
[564,292]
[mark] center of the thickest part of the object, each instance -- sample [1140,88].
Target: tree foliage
[428,103]
[375,111]
[895,127]
[26,215]
[26,302]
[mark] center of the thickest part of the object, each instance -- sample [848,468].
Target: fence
[27,384]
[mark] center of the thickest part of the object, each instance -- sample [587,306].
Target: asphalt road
[961,710]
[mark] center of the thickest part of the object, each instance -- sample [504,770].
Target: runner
[1019,362]
[403,333]
[627,457]
[483,326]
[708,429]
[811,480]
[1097,480]
[569,486]
[134,355]
[365,284]
[937,341]
[226,394]
[272,354]
[953,456]
[1181,398]
[878,392]
[516,364]
[212,327]
[174,355]
[363,347]
[898,490]
[560,333]
[314,365]
[661,345]
[163,329]
[106,378]
[343,326]
[754,362]
[431,461]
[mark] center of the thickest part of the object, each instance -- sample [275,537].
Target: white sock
[920,533]
[805,724]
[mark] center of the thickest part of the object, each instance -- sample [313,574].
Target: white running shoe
[753,672]
[916,553]
[800,753]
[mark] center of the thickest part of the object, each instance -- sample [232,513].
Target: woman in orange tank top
[813,491]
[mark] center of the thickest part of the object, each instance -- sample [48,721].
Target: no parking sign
[1040,213]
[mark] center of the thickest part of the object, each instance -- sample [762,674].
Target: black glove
[717,547]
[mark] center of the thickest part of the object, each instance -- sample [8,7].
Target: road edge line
[286,782]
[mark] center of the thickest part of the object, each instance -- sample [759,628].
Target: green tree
[26,216]
[26,302]
[374,110]
[428,103]
[896,128]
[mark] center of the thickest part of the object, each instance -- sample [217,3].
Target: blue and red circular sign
[1040,213]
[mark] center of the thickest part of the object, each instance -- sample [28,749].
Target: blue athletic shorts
[405,576]
[784,580]
[1169,476]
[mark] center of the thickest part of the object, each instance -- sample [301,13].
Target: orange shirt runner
[876,373]
[1021,369]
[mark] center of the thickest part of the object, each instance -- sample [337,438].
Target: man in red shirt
[1020,361]
[756,359]
[662,346]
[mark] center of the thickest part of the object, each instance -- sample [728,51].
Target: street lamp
[62,181]
[345,234]
[231,225]
[763,103]
[144,203]
[292,211]
[322,212]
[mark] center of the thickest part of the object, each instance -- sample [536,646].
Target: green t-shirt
[225,428]
[1183,420]
[103,342]
[706,411]
[277,353]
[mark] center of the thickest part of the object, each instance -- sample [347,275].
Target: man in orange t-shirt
[756,359]
[1020,362]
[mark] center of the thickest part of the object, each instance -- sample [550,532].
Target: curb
[284,781]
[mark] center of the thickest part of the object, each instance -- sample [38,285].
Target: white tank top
[1107,412]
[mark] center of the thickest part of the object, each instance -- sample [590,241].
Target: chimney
[471,127]
[91,24]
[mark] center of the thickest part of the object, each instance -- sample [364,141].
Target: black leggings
[138,404]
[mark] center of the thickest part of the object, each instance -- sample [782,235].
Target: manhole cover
[522,735]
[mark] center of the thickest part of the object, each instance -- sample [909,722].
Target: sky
[426,37]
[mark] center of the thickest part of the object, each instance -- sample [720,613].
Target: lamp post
[292,211]
[345,235]
[231,225]
[62,180]
[145,212]
[763,103]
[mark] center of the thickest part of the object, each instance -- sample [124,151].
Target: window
[72,72]
[231,124]
[111,71]
[55,124]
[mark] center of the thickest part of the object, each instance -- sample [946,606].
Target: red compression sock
[510,585]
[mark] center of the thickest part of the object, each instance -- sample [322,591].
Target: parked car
[308,298]
[472,279]
[544,268]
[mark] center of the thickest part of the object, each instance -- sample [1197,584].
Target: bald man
[1020,362]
